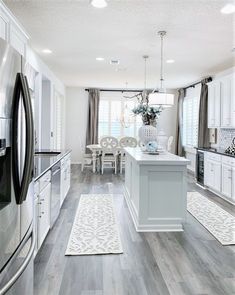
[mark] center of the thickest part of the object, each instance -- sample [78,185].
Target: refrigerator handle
[23,266]
[21,187]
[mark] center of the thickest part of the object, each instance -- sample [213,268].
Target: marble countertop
[43,162]
[163,158]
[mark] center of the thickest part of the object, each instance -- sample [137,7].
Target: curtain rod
[118,90]
[199,82]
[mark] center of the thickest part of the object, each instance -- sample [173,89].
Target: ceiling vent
[114,62]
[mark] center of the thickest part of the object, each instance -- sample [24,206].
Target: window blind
[190,116]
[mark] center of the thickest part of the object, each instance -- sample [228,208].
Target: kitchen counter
[216,151]
[165,158]
[43,162]
[156,190]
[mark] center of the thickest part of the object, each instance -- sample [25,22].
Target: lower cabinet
[213,174]
[43,214]
[226,181]
[65,177]
[220,175]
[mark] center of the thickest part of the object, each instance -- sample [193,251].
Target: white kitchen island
[156,190]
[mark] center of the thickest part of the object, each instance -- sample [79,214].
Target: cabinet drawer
[213,157]
[44,180]
[228,160]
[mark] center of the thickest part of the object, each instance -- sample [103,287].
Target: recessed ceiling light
[228,8]
[47,51]
[100,58]
[99,3]
[170,61]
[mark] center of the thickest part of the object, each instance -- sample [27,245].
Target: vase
[147,133]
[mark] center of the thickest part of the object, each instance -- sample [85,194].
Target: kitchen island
[156,190]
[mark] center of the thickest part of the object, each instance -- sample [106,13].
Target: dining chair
[126,141]
[109,145]
[87,160]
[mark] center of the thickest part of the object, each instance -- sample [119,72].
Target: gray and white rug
[95,229]
[217,221]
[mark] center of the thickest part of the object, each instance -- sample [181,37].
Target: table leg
[94,161]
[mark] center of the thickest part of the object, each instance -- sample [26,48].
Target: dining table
[96,149]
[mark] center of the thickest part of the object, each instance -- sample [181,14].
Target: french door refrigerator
[16,172]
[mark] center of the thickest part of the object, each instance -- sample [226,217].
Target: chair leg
[82,165]
[115,166]
[102,167]
[121,165]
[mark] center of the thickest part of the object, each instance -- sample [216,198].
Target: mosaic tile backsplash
[225,137]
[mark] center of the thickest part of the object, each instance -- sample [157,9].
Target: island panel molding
[156,190]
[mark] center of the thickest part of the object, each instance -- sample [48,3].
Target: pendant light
[160,97]
[98,3]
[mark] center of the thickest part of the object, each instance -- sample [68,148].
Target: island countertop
[164,158]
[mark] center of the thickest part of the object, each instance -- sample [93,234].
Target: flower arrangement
[149,113]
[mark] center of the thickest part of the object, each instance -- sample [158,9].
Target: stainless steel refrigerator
[16,174]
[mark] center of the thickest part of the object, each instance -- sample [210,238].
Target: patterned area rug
[217,221]
[95,229]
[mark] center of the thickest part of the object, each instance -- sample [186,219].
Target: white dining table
[96,149]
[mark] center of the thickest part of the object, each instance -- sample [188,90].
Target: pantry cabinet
[221,102]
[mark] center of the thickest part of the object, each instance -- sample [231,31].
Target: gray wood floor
[191,262]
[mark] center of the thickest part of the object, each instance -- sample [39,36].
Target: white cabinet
[226,180]
[214,104]
[221,102]
[233,184]
[219,175]
[4,25]
[227,102]
[43,213]
[65,177]
[213,171]
[12,31]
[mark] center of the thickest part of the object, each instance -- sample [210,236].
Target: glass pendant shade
[161,99]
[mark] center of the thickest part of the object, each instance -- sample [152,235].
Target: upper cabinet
[221,102]
[11,31]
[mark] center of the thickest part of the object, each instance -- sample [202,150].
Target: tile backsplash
[224,137]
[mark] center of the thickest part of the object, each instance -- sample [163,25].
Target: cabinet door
[233,184]
[217,176]
[227,181]
[44,214]
[233,100]
[211,108]
[226,101]
[217,102]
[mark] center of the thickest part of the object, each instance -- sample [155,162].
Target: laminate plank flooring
[184,263]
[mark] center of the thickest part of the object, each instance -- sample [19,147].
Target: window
[190,116]
[116,117]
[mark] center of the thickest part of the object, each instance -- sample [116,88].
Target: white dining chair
[87,160]
[109,145]
[126,141]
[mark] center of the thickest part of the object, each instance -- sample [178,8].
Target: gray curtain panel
[203,130]
[93,117]
[179,133]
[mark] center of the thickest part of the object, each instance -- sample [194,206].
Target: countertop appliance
[55,193]
[200,167]
[16,171]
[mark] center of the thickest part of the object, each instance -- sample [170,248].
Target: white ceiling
[199,38]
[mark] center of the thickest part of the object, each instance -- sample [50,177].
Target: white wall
[76,121]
